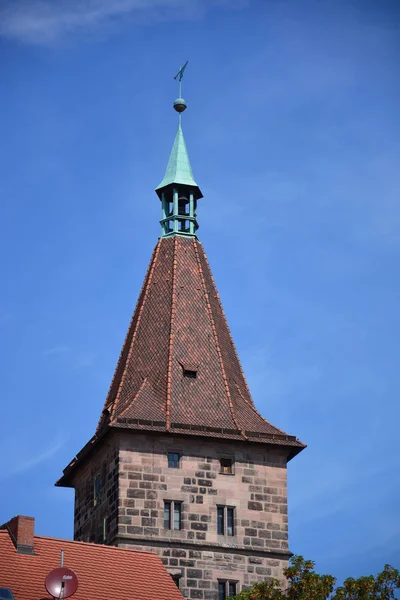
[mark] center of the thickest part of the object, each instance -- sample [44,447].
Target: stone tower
[181,463]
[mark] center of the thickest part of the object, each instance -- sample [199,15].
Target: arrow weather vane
[179,76]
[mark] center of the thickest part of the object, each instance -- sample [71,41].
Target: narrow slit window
[96,489]
[226,466]
[167,515]
[106,529]
[230,521]
[220,520]
[221,590]
[177,515]
[173,460]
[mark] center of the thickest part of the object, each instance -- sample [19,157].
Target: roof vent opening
[189,373]
[189,368]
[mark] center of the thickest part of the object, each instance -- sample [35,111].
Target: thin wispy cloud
[56,351]
[46,21]
[72,358]
[21,466]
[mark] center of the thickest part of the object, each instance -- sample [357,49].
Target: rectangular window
[227,589]
[220,520]
[226,466]
[229,521]
[96,489]
[106,529]
[167,515]
[173,460]
[172,515]
[225,520]
[221,590]
[232,588]
[177,515]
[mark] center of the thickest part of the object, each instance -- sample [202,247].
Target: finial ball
[180,105]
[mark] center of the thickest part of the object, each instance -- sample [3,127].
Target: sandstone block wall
[137,481]
[257,490]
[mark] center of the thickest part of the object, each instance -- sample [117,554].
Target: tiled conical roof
[178,371]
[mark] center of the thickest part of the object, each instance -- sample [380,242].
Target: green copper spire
[179,169]
[178,191]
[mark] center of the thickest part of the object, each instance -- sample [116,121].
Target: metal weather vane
[179,76]
[180,104]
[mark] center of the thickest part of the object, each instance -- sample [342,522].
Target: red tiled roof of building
[103,572]
[179,325]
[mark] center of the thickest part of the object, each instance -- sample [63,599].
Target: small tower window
[226,466]
[220,520]
[229,521]
[173,460]
[172,515]
[232,588]
[221,590]
[225,520]
[106,530]
[226,589]
[96,489]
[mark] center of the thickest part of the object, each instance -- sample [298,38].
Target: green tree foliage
[303,583]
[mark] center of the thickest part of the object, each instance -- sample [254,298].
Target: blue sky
[293,132]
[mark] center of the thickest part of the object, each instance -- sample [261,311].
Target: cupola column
[175,209]
[164,207]
[192,224]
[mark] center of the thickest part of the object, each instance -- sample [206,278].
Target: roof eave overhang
[291,444]
[65,479]
[295,451]
[164,187]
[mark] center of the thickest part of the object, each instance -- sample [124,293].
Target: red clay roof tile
[103,572]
